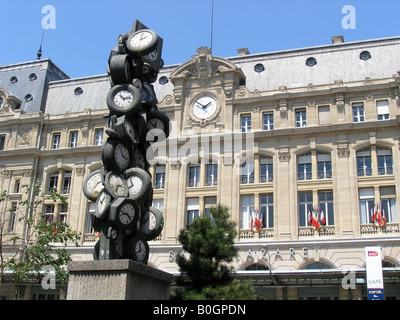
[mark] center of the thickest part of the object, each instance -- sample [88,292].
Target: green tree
[206,274]
[41,244]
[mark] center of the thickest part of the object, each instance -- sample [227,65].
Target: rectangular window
[266,170]
[385,161]
[324,166]
[211,174]
[158,204]
[304,167]
[364,165]
[56,141]
[326,214]
[245,122]
[194,176]
[209,202]
[90,218]
[367,204]
[73,139]
[268,121]
[192,210]
[49,213]
[13,217]
[159,182]
[247,211]
[247,172]
[66,182]
[382,108]
[301,118]
[2,142]
[17,186]
[389,204]
[53,181]
[305,206]
[62,216]
[358,112]
[98,137]
[267,210]
[324,115]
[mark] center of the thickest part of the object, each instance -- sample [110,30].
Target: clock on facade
[204,108]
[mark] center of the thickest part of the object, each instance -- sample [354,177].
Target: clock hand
[206,106]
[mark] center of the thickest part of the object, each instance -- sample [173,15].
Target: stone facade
[292,131]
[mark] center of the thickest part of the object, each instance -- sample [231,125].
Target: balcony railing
[310,231]
[373,229]
[263,233]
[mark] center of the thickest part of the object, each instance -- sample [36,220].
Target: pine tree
[206,274]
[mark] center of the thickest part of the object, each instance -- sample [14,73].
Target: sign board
[374,273]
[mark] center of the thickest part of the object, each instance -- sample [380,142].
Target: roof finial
[39,53]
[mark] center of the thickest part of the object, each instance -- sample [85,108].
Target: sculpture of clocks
[102,204]
[137,248]
[122,188]
[115,155]
[124,213]
[123,99]
[93,184]
[152,224]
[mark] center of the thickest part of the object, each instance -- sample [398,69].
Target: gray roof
[282,68]
[28,81]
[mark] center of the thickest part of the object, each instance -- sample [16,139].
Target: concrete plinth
[116,280]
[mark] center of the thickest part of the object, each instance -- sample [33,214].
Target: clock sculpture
[122,188]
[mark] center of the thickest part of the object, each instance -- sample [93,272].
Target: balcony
[310,231]
[248,234]
[368,229]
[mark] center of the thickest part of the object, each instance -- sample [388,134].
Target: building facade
[304,140]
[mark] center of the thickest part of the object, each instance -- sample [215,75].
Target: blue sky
[86,30]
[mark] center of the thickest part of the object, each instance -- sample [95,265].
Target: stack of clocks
[122,188]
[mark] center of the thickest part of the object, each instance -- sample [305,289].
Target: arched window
[256,266]
[318,265]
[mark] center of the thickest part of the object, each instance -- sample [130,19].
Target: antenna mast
[212,23]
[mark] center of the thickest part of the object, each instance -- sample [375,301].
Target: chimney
[243,51]
[337,39]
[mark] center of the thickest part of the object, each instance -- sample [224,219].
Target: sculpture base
[116,280]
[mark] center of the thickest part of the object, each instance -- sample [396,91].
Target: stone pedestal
[116,280]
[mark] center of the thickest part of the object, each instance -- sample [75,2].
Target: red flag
[374,215]
[381,219]
[322,217]
[312,221]
[257,223]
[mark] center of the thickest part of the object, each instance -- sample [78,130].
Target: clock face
[121,155]
[102,204]
[130,131]
[204,107]
[155,124]
[135,184]
[140,250]
[93,185]
[123,98]
[141,39]
[126,214]
[117,185]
